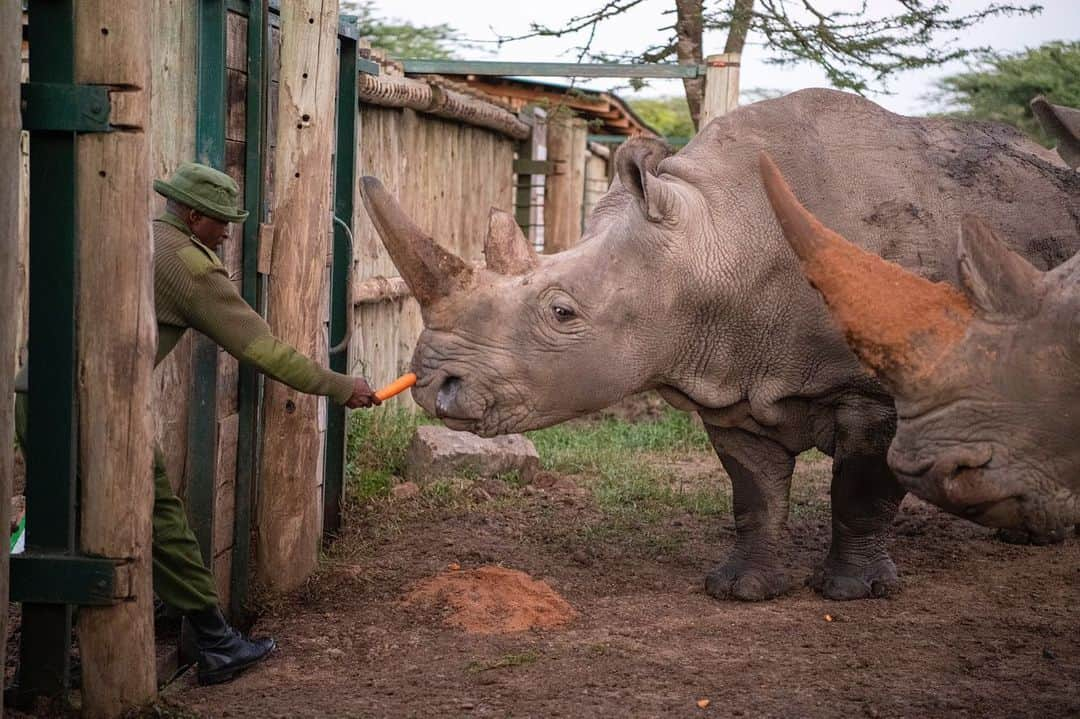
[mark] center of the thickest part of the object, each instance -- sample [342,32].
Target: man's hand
[362,395]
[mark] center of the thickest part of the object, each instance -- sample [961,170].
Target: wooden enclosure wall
[564,192]
[597,176]
[447,176]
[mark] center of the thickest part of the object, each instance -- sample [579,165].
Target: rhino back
[895,185]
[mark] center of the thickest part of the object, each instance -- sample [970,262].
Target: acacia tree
[855,47]
[999,87]
[402,39]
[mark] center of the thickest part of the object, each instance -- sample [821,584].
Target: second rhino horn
[507,250]
[898,323]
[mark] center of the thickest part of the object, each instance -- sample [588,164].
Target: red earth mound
[493,600]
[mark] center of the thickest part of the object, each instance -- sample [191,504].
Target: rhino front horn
[430,271]
[899,324]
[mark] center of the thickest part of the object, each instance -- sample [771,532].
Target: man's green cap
[205,189]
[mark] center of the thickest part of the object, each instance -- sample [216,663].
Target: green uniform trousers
[181,579]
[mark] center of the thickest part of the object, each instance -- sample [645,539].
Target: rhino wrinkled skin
[989,427]
[684,283]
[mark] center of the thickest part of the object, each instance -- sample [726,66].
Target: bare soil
[981,628]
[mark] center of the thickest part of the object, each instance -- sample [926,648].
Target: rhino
[986,378]
[684,284]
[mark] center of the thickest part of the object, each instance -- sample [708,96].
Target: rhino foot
[1039,539]
[834,580]
[747,582]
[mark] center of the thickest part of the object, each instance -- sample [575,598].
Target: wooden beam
[721,86]
[11,162]
[564,191]
[379,289]
[550,69]
[116,357]
[288,510]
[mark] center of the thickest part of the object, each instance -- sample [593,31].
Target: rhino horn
[1062,124]
[899,324]
[506,249]
[430,271]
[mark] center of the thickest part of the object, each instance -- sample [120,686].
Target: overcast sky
[484,20]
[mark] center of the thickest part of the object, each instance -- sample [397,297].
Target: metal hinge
[65,108]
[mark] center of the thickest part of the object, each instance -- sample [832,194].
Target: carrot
[398,386]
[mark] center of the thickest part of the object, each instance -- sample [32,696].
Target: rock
[405,490]
[441,453]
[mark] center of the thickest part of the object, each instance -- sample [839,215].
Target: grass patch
[503,662]
[376,446]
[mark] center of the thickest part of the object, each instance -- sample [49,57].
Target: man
[192,289]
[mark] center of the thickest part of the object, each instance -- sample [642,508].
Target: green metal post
[249,399]
[344,181]
[210,150]
[52,454]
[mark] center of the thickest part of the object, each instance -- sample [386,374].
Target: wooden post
[565,188]
[288,509]
[721,86]
[116,340]
[11,162]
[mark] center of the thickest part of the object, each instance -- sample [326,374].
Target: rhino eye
[563,313]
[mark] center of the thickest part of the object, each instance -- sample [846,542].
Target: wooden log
[430,98]
[721,86]
[564,193]
[288,534]
[116,340]
[379,289]
[11,161]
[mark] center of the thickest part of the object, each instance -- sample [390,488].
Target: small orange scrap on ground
[454,567]
[703,703]
[828,617]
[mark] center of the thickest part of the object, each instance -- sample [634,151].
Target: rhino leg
[760,472]
[865,498]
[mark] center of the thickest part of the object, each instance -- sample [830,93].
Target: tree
[670,116]
[999,87]
[401,39]
[855,47]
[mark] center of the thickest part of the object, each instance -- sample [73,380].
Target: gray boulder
[441,453]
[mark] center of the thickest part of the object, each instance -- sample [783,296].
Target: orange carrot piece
[398,386]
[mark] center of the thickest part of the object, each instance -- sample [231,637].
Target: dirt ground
[980,629]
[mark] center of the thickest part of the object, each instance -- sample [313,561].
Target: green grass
[503,662]
[622,463]
[377,442]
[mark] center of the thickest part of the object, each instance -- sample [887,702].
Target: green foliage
[375,450]
[401,39]
[999,87]
[670,116]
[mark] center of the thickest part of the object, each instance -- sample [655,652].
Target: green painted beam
[344,184]
[210,150]
[551,69]
[63,579]
[52,441]
[69,108]
[249,391]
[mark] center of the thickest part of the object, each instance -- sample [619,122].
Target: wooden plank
[236,42]
[172,136]
[112,47]
[235,105]
[721,86]
[288,537]
[564,190]
[10,241]
[224,494]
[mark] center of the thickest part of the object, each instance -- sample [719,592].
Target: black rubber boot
[224,652]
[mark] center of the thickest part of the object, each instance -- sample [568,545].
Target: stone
[441,453]
[405,490]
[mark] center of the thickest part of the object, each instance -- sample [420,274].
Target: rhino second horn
[899,324]
[430,271]
[507,250]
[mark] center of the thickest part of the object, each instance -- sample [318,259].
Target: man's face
[210,232]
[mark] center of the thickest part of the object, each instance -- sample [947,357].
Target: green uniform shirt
[192,289]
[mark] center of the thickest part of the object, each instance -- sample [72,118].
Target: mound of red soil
[493,600]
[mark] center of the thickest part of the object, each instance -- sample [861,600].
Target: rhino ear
[636,163]
[507,250]
[1062,124]
[999,282]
